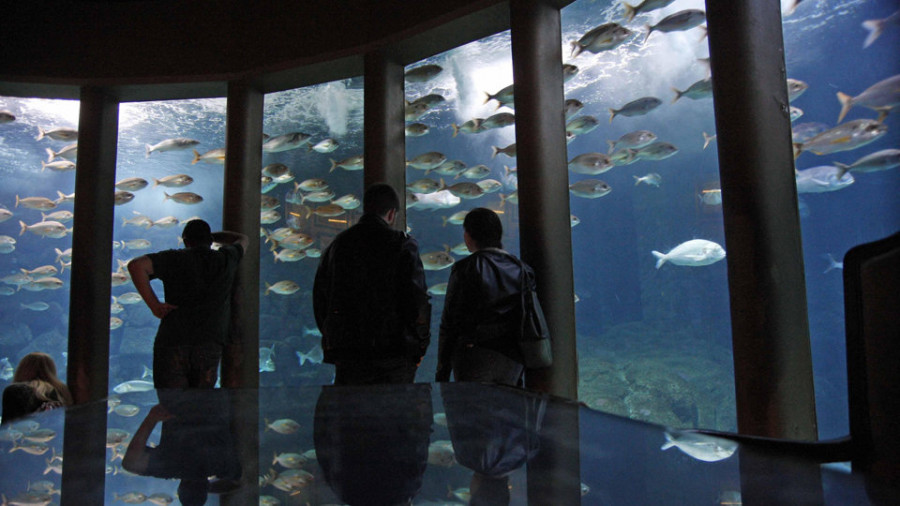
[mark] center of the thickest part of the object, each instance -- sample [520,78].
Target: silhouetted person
[198,283]
[370,299]
[195,444]
[481,320]
[35,388]
[372,441]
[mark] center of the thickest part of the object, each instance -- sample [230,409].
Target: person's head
[193,491]
[39,370]
[35,366]
[196,233]
[483,229]
[381,199]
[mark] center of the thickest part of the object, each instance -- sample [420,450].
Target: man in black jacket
[370,298]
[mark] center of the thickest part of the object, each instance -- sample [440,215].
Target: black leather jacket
[369,295]
[482,306]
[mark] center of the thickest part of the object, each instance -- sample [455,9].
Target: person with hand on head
[195,316]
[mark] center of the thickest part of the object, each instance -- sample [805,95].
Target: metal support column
[240,213]
[88,362]
[770,330]
[545,234]
[385,134]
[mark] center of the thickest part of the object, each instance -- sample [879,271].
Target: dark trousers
[375,371]
[484,365]
[186,366]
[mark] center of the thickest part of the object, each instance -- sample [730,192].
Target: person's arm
[141,269]
[136,458]
[229,237]
[415,305]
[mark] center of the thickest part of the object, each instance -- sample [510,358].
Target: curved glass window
[848,190]
[652,315]
[312,184]
[169,170]
[38,148]
[460,150]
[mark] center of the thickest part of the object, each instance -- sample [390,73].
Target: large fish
[682,20]
[881,96]
[285,142]
[879,160]
[602,38]
[443,199]
[876,26]
[59,134]
[637,107]
[636,139]
[693,253]
[700,446]
[844,137]
[590,163]
[590,188]
[175,144]
[825,178]
[696,91]
[645,6]
[422,73]
[133,386]
[436,260]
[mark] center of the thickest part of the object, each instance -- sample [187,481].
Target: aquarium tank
[650,262]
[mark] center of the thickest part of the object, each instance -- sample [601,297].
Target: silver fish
[58,166]
[216,156]
[416,129]
[325,146]
[844,137]
[6,117]
[636,139]
[602,38]
[175,144]
[656,151]
[132,184]
[351,163]
[499,120]
[68,152]
[59,134]
[795,88]
[572,106]
[582,125]
[696,91]
[176,181]
[472,126]
[645,6]
[436,260]
[427,161]
[184,198]
[637,107]
[422,73]
[881,96]
[503,97]
[466,190]
[591,163]
[651,179]
[693,253]
[509,151]
[825,178]
[879,160]
[876,26]
[590,188]
[682,20]
[285,142]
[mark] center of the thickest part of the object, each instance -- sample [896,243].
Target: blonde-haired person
[35,388]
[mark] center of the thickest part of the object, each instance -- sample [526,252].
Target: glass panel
[169,169]
[460,146]
[312,185]
[653,324]
[37,153]
[860,43]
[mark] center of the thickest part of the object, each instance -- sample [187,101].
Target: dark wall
[69,42]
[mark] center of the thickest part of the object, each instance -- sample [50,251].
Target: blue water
[653,344]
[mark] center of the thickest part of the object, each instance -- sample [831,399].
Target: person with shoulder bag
[490,307]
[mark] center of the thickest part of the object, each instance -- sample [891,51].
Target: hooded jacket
[482,306]
[369,296]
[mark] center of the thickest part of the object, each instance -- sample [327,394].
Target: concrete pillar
[385,134]
[240,367]
[88,362]
[545,234]
[770,330]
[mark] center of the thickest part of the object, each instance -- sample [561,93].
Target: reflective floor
[422,444]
